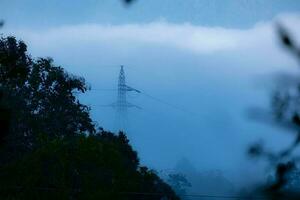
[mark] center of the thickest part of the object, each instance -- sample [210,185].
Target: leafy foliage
[101,166]
[40,97]
[49,146]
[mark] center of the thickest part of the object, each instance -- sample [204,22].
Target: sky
[200,64]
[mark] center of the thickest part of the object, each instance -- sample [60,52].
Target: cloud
[197,73]
[187,37]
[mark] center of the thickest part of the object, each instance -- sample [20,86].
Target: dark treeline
[49,145]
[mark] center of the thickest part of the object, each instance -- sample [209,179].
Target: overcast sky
[205,61]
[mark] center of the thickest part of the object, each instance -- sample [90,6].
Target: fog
[197,77]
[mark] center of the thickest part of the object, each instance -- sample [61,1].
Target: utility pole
[121,105]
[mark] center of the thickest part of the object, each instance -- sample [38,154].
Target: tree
[40,97]
[100,166]
[49,146]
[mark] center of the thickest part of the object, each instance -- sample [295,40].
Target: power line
[167,103]
[151,97]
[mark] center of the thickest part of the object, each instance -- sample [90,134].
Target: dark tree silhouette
[49,146]
[4,120]
[4,113]
[40,96]
[100,166]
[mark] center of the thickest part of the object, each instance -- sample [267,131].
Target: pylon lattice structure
[122,104]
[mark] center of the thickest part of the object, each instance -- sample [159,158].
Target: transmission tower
[121,105]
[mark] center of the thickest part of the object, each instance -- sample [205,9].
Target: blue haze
[212,91]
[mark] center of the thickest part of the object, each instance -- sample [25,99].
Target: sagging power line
[121,104]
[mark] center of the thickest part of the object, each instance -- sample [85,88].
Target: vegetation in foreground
[49,145]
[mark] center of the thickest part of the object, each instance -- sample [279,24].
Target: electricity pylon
[121,105]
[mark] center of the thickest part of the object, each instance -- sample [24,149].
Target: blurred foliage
[285,113]
[128,1]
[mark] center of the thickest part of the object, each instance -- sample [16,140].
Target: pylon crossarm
[133,105]
[128,88]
